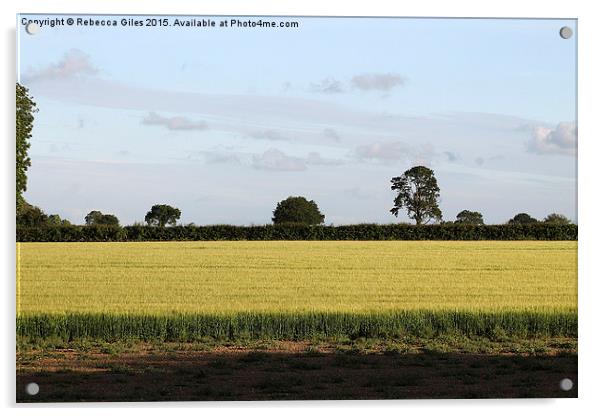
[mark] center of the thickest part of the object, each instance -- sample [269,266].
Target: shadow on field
[66,375]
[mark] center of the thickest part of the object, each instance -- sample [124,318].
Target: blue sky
[225,122]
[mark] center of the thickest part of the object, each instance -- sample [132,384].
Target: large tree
[161,215]
[556,219]
[98,218]
[93,217]
[418,193]
[30,216]
[56,219]
[523,218]
[469,217]
[297,209]
[26,107]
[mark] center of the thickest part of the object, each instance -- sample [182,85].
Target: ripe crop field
[279,289]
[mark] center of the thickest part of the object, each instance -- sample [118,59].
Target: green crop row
[360,232]
[291,326]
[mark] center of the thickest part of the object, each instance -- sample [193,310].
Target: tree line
[292,210]
[417,192]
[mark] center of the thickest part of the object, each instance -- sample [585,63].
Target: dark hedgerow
[360,232]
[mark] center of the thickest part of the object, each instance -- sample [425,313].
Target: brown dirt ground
[292,371]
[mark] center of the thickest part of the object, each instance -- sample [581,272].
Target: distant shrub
[522,218]
[297,210]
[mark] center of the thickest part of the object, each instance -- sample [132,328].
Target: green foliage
[71,233]
[523,218]
[55,220]
[98,218]
[93,217]
[26,107]
[26,231]
[294,326]
[418,193]
[297,210]
[556,219]
[469,217]
[30,216]
[161,215]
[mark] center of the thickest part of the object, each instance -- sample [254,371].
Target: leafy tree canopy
[26,107]
[297,209]
[98,218]
[556,219]
[418,193]
[30,216]
[523,218]
[161,215]
[55,220]
[469,217]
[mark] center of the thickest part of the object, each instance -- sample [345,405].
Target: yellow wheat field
[279,276]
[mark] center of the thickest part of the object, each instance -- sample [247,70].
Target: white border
[590,112]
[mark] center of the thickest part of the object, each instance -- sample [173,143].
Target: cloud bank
[377,82]
[269,134]
[276,160]
[173,123]
[560,140]
[383,151]
[73,64]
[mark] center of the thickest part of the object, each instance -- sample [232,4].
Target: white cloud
[383,151]
[395,151]
[314,158]
[274,159]
[268,135]
[560,140]
[174,123]
[73,64]
[377,82]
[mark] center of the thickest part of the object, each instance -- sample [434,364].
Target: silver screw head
[32,28]
[566,32]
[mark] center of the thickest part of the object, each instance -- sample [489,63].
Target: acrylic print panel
[268,208]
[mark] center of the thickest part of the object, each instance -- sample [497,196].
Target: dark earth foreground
[291,371]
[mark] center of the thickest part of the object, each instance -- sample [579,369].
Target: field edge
[296,326]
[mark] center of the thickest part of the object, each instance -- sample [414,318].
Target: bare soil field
[291,371]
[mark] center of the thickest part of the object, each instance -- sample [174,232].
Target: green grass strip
[294,326]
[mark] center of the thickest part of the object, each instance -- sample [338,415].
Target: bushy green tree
[93,217]
[469,217]
[98,218]
[523,218]
[418,193]
[30,216]
[556,219]
[161,215]
[109,219]
[55,220]
[297,209]
[26,107]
